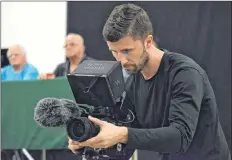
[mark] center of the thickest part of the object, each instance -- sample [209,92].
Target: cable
[123,98]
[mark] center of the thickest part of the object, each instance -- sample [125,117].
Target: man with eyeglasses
[75,53]
[18,69]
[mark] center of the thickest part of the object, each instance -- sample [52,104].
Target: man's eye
[126,51]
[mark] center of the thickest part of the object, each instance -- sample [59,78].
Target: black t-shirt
[176,112]
[63,68]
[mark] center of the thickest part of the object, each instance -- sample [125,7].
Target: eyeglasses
[70,45]
[11,55]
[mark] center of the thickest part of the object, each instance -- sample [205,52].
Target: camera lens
[78,129]
[81,129]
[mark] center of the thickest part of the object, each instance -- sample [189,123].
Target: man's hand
[108,136]
[46,76]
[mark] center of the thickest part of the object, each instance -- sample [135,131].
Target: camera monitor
[97,83]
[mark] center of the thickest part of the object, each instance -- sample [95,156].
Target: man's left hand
[108,136]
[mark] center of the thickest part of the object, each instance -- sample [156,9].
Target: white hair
[22,49]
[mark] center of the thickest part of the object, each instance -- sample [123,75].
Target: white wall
[40,27]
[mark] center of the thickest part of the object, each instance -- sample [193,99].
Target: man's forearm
[164,140]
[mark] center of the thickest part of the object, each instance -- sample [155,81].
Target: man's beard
[143,60]
[137,68]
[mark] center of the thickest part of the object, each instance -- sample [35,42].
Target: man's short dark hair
[127,19]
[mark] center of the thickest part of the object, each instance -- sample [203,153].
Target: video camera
[98,89]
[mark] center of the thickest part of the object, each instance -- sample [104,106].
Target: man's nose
[13,56]
[68,49]
[122,58]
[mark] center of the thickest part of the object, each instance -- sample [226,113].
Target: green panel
[19,130]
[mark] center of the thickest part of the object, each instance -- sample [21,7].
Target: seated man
[75,53]
[18,69]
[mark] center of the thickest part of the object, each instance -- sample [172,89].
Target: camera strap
[92,82]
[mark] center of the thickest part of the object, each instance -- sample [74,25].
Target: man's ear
[148,41]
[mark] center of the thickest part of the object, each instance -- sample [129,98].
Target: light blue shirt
[29,72]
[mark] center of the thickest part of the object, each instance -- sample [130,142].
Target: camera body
[98,88]
[81,129]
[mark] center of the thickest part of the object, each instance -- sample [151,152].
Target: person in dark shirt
[75,53]
[173,102]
